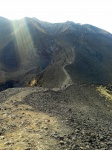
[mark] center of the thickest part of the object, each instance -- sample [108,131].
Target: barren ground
[76,118]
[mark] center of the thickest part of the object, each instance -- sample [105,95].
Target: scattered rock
[61,142]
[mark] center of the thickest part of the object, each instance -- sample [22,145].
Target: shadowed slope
[30,46]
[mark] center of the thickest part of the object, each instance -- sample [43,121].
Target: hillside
[30,48]
[56,86]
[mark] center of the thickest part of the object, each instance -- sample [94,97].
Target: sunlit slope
[19,48]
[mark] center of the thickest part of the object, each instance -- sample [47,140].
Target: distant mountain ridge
[30,47]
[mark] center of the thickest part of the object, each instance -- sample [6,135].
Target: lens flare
[24,42]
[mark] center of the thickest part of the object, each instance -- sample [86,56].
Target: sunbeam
[24,42]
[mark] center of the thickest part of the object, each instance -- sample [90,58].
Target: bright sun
[95,12]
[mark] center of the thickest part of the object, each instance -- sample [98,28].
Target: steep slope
[33,48]
[20,54]
[93,59]
[68,110]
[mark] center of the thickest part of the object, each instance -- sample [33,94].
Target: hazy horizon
[96,13]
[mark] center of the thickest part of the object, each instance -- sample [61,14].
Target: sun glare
[95,12]
[24,40]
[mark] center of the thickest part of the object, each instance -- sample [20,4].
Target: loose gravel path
[76,118]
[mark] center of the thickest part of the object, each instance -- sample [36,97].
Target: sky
[95,12]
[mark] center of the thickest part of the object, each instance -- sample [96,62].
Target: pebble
[2,137]
[62,142]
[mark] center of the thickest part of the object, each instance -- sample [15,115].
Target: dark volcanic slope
[29,46]
[66,60]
